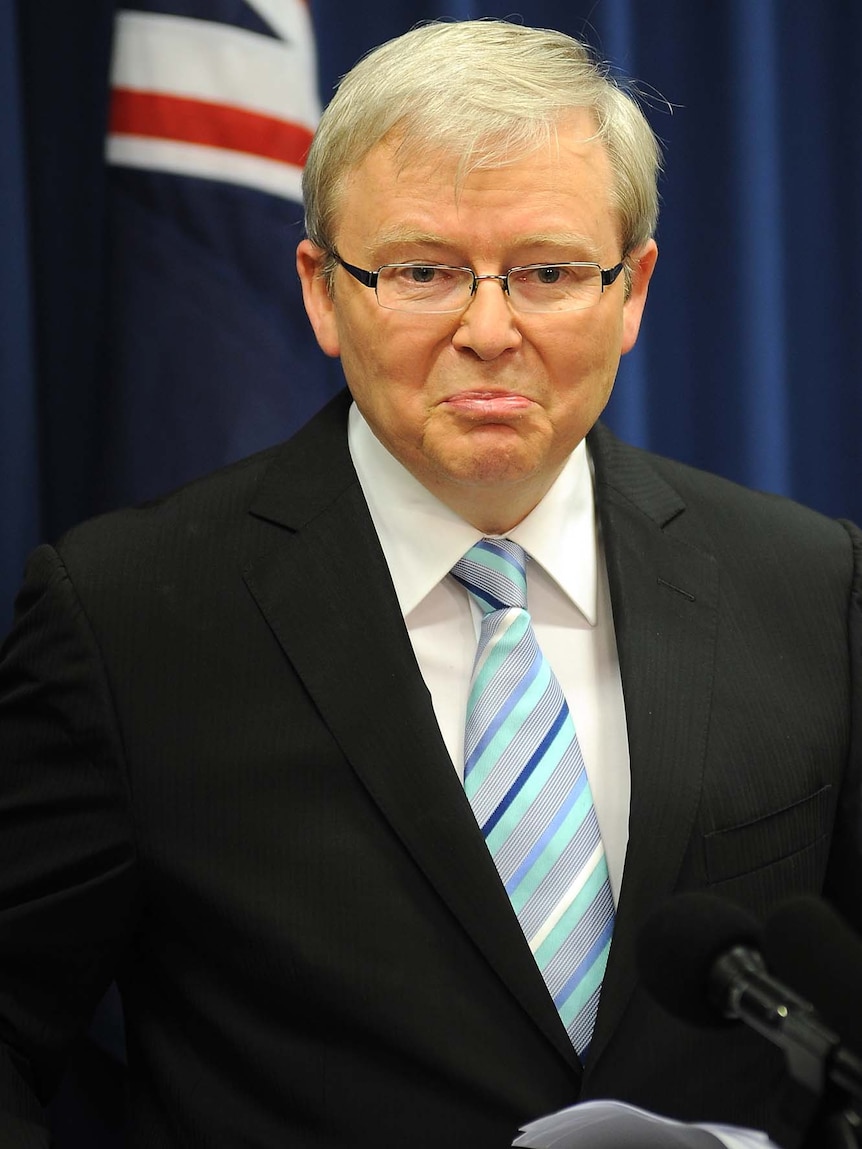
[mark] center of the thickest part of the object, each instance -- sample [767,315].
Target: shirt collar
[422,538]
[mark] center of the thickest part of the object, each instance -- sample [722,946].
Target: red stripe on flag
[152,114]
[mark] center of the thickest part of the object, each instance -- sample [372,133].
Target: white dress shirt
[567,596]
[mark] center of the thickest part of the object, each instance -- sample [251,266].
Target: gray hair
[488,92]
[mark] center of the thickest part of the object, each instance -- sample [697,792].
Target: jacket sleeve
[67,875]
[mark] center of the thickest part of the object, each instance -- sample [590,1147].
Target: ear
[315,295]
[643,264]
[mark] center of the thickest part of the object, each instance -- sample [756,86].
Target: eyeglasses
[435,288]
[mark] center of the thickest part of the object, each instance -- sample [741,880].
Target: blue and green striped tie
[524,776]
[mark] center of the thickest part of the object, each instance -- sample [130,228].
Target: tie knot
[494,571]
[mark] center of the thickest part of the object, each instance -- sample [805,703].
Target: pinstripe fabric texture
[525,778]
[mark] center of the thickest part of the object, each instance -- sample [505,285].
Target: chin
[492,468]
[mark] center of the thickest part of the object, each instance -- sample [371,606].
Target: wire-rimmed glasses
[434,288]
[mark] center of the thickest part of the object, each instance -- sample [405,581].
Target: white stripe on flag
[208,163]
[568,897]
[203,60]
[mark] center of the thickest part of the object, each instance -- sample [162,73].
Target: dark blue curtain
[54,61]
[748,358]
[20,518]
[747,363]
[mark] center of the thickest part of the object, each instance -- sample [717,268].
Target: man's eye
[417,274]
[563,276]
[422,274]
[547,275]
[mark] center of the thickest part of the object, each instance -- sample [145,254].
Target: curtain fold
[20,513]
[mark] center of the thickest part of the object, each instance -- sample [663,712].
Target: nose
[488,325]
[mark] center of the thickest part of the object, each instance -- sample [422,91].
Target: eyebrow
[409,237]
[557,239]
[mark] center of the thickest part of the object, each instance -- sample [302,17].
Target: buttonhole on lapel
[678,589]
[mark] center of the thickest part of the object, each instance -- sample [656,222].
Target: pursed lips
[485,403]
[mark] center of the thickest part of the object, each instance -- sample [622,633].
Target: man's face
[484,403]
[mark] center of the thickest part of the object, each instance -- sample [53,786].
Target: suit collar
[310,472]
[423,538]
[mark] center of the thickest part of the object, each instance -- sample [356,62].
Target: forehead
[402,189]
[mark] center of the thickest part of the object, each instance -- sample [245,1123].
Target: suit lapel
[325,590]
[664,585]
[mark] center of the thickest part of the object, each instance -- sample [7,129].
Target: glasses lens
[423,287]
[555,286]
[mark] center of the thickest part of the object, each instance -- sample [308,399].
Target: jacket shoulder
[696,500]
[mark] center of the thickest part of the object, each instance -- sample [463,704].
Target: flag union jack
[210,354]
[207,98]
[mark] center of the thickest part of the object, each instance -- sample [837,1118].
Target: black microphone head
[809,946]
[679,945]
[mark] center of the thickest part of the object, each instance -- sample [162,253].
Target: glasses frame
[370,278]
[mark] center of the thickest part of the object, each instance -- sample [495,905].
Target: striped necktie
[524,776]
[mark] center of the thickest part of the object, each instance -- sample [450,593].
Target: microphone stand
[829,1076]
[840,1129]
[837,1122]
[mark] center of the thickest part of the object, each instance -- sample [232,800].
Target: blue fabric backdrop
[150,325]
[747,363]
[20,521]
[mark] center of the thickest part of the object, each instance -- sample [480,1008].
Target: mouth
[488,404]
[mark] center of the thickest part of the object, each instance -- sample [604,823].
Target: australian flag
[213,107]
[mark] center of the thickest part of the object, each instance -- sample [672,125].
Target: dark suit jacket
[222,783]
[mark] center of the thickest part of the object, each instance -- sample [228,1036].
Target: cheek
[385,373]
[360,349]
[583,368]
[580,355]
[381,357]
[604,346]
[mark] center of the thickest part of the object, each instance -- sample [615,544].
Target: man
[233,767]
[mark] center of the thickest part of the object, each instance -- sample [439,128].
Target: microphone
[678,947]
[806,943]
[700,958]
